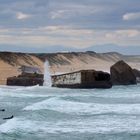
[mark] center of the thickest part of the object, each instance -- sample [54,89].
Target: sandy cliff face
[62,62]
[68,62]
[10,63]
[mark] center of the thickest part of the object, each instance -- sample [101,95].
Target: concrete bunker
[83,79]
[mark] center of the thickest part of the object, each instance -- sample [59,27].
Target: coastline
[61,62]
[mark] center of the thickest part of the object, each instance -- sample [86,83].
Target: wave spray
[47,75]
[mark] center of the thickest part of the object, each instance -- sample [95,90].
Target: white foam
[57,104]
[26,92]
[101,125]
[14,124]
[24,95]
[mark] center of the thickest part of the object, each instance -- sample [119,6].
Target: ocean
[45,113]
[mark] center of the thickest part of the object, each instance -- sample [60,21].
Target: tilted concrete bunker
[29,76]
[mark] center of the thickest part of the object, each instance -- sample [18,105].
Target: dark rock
[2,110]
[122,74]
[137,74]
[7,118]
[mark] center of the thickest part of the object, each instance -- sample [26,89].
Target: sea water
[45,113]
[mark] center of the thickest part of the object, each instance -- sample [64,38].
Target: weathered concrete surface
[82,79]
[26,80]
[67,79]
[122,74]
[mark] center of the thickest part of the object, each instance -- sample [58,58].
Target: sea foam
[60,105]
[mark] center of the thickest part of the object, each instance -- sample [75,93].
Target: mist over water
[47,75]
[45,113]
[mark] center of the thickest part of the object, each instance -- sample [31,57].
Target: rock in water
[2,110]
[122,74]
[137,74]
[11,117]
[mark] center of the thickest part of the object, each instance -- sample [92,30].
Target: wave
[57,104]
[24,92]
[99,125]
[42,91]
[25,95]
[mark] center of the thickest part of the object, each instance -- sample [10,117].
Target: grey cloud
[77,14]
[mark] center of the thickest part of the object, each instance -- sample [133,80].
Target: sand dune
[62,62]
[67,62]
[10,63]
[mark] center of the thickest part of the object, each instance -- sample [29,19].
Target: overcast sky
[75,24]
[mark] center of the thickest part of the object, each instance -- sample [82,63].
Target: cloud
[48,36]
[94,14]
[74,10]
[53,28]
[22,16]
[123,37]
[57,14]
[68,37]
[74,23]
[123,33]
[131,16]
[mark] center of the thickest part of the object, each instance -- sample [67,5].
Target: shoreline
[61,63]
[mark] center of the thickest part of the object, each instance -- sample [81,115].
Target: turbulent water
[42,113]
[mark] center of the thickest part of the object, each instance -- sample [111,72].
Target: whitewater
[45,113]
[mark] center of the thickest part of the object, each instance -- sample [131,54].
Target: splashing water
[42,113]
[47,75]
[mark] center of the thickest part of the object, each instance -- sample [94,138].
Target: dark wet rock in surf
[2,110]
[122,74]
[6,118]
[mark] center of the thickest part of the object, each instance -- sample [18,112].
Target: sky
[70,25]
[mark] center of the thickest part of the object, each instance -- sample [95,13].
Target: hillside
[10,62]
[66,62]
[61,62]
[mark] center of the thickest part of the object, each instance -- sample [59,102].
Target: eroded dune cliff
[62,62]
[67,62]
[10,63]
